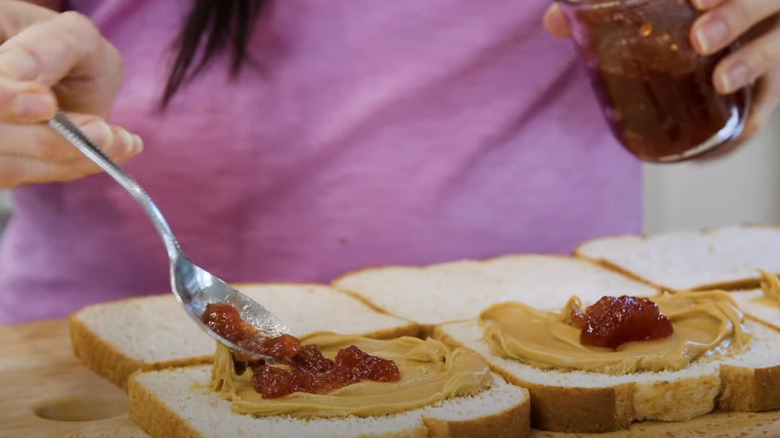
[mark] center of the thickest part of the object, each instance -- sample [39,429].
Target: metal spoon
[193,286]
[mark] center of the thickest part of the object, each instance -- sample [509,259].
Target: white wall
[743,187]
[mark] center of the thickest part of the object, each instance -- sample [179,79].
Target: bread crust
[158,420]
[111,363]
[511,423]
[736,285]
[153,416]
[568,409]
[750,389]
[574,409]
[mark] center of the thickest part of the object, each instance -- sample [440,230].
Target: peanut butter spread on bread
[430,372]
[771,287]
[706,324]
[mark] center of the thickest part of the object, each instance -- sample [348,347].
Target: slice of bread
[579,401]
[117,338]
[460,290]
[176,403]
[756,305]
[718,258]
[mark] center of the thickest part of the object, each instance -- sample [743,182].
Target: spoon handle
[73,134]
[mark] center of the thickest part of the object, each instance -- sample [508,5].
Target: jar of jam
[656,92]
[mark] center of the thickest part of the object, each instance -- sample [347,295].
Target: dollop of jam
[296,367]
[614,321]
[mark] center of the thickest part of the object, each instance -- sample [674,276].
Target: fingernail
[127,142]
[138,145]
[99,132]
[713,34]
[735,78]
[131,143]
[33,106]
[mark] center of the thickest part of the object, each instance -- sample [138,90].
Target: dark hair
[211,26]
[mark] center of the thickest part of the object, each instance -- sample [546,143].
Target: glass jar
[656,92]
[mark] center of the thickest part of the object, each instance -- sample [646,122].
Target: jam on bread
[614,321]
[296,367]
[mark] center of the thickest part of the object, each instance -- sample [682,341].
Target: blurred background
[743,187]
[5,208]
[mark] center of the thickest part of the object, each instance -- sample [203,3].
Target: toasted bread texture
[717,258]
[149,333]
[460,290]
[579,401]
[176,403]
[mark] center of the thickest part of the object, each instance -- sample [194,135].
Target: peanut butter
[706,324]
[430,372]
[771,287]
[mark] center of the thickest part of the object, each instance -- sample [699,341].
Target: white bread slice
[117,338]
[460,290]
[176,403]
[755,305]
[578,401]
[717,258]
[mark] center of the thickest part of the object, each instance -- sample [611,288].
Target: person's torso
[360,134]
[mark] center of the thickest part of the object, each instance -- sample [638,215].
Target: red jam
[298,368]
[612,322]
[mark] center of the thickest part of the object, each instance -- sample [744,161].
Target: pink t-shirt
[368,133]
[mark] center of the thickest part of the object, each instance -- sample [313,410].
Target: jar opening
[602,4]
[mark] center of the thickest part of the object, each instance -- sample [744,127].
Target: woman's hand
[759,58]
[51,61]
[756,23]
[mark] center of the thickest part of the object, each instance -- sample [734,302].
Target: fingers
[729,20]
[36,153]
[47,51]
[25,102]
[752,61]
[16,171]
[766,100]
[555,21]
[67,55]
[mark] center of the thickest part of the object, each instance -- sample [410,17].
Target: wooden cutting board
[46,392]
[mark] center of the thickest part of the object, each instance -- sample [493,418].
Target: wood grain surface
[46,392]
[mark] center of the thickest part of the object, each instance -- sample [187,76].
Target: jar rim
[602,4]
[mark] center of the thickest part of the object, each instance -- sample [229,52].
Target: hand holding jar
[678,78]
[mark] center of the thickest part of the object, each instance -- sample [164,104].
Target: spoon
[193,286]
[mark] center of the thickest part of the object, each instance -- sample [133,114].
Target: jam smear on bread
[614,321]
[297,367]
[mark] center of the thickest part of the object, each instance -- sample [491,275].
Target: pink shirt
[375,132]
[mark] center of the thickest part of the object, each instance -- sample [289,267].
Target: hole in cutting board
[81,408]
